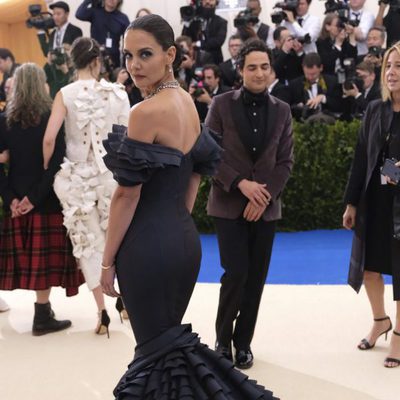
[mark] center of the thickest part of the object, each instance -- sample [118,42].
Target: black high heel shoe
[104,322]
[119,305]
[395,361]
[365,345]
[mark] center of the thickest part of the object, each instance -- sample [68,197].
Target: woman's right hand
[349,216]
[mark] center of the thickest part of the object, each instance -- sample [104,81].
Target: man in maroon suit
[256,130]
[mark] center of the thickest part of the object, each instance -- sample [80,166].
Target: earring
[169,68]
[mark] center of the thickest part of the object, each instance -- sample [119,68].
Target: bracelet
[107,266]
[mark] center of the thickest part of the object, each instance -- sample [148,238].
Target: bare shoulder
[140,124]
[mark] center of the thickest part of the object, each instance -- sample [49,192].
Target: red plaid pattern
[36,254]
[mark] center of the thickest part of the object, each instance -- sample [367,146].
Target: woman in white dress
[84,186]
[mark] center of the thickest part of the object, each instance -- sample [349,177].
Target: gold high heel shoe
[102,325]
[119,305]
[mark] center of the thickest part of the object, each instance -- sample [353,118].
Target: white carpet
[304,346]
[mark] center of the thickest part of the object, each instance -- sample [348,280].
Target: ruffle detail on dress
[133,162]
[91,104]
[206,152]
[176,366]
[79,189]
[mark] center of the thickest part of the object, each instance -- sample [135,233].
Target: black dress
[157,267]
[381,248]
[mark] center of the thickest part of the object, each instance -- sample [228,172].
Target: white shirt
[367,21]
[59,34]
[311,25]
[272,85]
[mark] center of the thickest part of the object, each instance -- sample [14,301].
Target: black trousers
[245,251]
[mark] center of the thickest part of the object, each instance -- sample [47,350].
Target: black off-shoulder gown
[157,267]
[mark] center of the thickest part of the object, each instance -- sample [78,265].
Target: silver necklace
[164,85]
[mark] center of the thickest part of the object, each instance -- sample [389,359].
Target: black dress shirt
[255,105]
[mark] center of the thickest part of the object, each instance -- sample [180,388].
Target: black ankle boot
[44,321]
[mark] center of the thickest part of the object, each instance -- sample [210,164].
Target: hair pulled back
[83,51]
[162,32]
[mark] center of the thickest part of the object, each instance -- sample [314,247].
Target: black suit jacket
[71,33]
[202,108]
[281,92]
[333,93]
[287,66]
[229,74]
[213,38]
[227,116]
[362,102]
[329,53]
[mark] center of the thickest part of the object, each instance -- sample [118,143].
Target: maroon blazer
[227,117]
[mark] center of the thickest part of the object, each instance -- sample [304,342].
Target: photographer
[58,69]
[287,56]
[108,24]
[390,21]
[229,74]
[207,30]
[375,42]
[300,23]
[7,68]
[363,91]
[335,44]
[316,96]
[64,31]
[360,22]
[192,59]
[204,90]
[249,25]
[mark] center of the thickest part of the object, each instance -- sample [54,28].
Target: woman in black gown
[152,243]
[373,207]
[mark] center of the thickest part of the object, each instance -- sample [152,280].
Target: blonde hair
[29,100]
[386,93]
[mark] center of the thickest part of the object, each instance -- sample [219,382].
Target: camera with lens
[199,84]
[199,87]
[245,18]
[393,4]
[306,39]
[289,5]
[97,3]
[347,75]
[375,51]
[39,19]
[341,8]
[192,11]
[58,56]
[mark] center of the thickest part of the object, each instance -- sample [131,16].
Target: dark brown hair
[162,32]
[83,51]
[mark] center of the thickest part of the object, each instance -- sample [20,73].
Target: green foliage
[313,198]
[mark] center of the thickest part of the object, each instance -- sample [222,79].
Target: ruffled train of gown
[176,366]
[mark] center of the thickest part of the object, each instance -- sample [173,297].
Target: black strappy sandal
[365,345]
[396,361]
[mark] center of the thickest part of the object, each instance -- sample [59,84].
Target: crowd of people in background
[325,69]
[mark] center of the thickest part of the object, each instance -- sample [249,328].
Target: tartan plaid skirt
[36,254]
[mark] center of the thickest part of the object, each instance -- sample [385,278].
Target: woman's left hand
[25,206]
[107,282]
